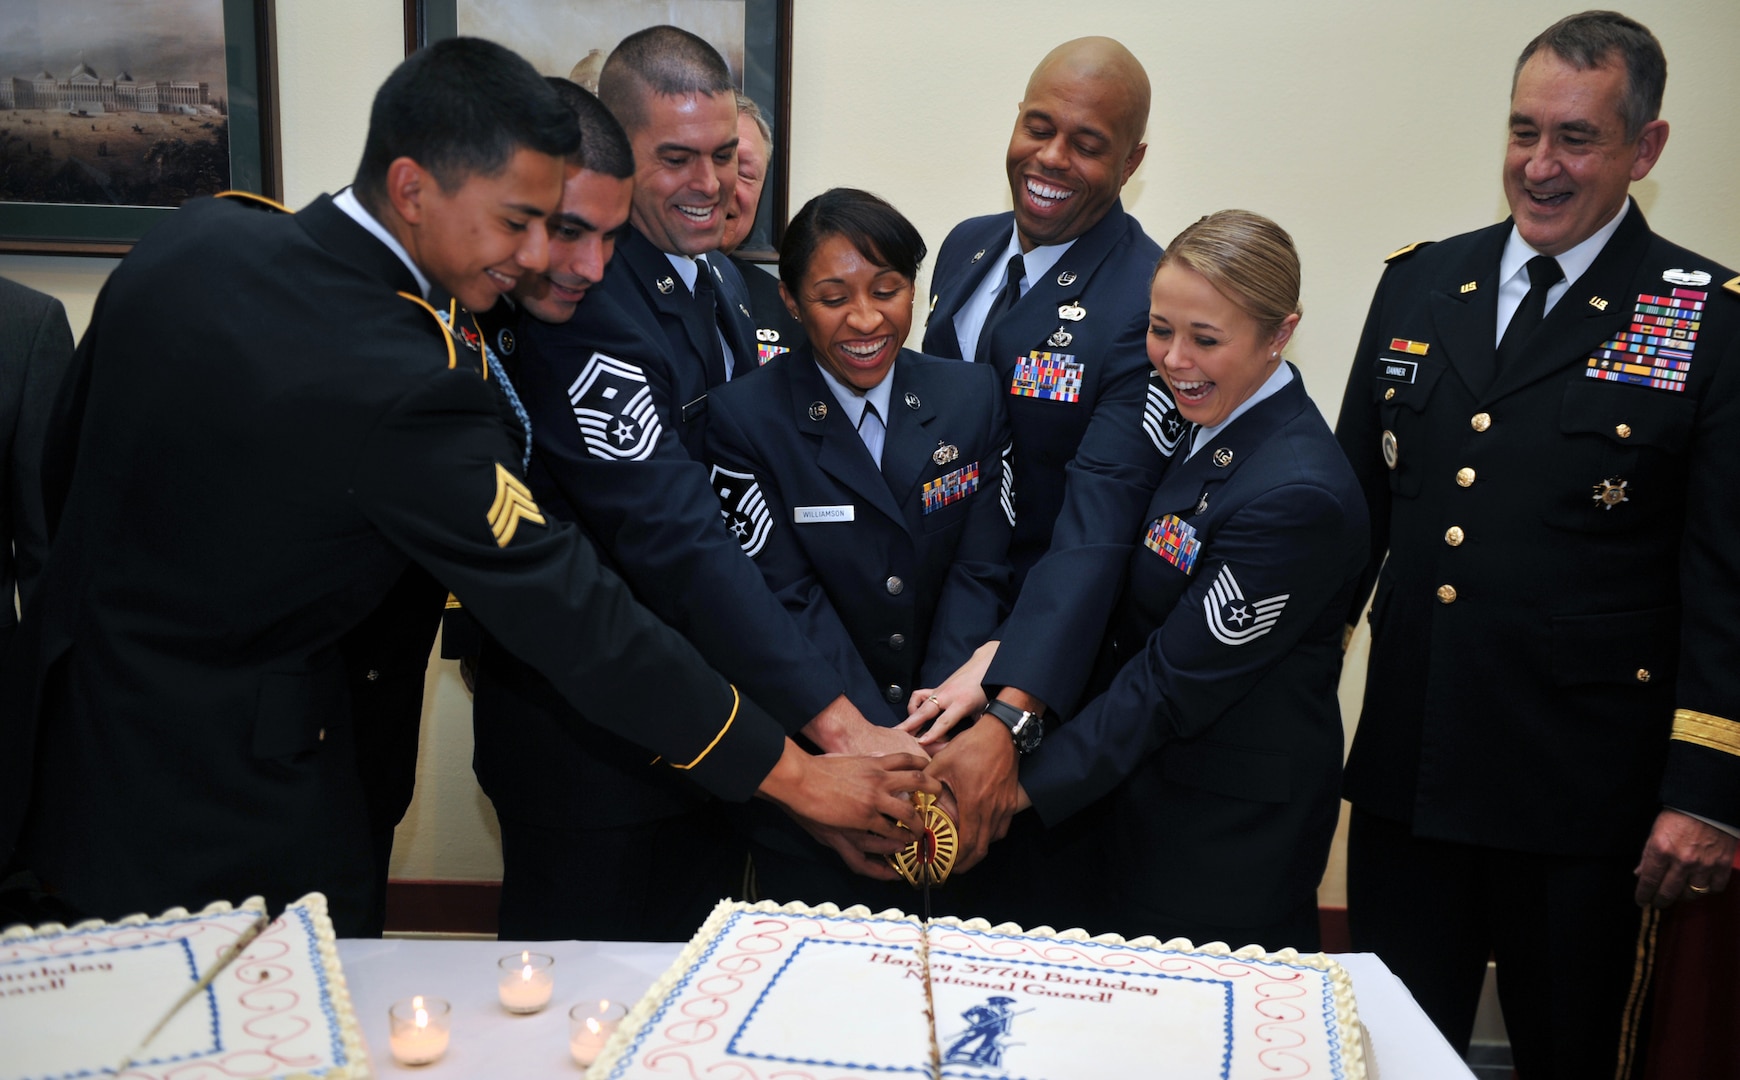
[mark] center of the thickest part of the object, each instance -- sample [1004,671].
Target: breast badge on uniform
[513,504]
[504,341]
[1007,495]
[1161,419]
[747,518]
[1232,619]
[1655,348]
[1694,278]
[767,345]
[945,452]
[1174,539]
[1071,312]
[1611,492]
[951,487]
[1392,450]
[1060,339]
[614,406]
[1048,376]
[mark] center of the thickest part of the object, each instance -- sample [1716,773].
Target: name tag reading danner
[1397,370]
[806,515]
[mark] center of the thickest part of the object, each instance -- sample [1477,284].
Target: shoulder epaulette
[446,338]
[258,202]
[1733,284]
[1409,250]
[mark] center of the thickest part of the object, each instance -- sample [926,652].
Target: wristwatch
[1025,728]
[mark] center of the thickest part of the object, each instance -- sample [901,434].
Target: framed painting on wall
[572,38]
[113,113]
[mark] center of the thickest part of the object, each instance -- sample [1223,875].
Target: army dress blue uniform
[1215,745]
[247,486]
[616,397]
[1072,357]
[1557,609]
[896,573]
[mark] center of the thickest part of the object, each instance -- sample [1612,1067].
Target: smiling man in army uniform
[1544,417]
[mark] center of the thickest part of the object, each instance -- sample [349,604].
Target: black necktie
[1544,273]
[707,322]
[1000,306]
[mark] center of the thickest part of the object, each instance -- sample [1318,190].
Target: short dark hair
[879,232]
[1589,40]
[461,107]
[659,60]
[604,145]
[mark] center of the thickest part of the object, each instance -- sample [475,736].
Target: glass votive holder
[590,1025]
[418,1029]
[526,981]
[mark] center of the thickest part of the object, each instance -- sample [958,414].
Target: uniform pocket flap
[1625,647]
[295,707]
[1404,380]
[1625,415]
[1225,769]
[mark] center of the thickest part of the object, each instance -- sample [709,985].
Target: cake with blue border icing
[75,1002]
[801,993]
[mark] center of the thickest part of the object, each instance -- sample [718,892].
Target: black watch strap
[1025,728]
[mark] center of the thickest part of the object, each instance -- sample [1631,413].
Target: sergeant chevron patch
[1232,619]
[614,407]
[1160,417]
[745,510]
[513,504]
[1007,495]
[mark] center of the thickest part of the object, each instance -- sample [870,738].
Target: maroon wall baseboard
[469,907]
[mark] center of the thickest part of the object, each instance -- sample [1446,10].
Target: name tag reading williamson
[808,515]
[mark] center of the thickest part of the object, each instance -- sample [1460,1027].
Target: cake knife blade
[225,957]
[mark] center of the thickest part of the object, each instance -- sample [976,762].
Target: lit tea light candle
[526,981]
[418,1029]
[590,1025]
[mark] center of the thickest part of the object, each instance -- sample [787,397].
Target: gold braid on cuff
[1711,732]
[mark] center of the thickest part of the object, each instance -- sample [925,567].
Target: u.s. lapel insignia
[1061,339]
[911,400]
[977,255]
[1598,303]
[1611,492]
[1066,279]
[1072,312]
[666,285]
[945,452]
[1223,457]
[1468,287]
[818,410]
[1692,278]
[513,504]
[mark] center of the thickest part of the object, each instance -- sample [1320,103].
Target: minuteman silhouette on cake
[987,1033]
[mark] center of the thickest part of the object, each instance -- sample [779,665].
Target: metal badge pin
[818,410]
[945,453]
[745,311]
[1390,449]
[1061,339]
[1597,303]
[977,255]
[934,297]
[1066,279]
[911,400]
[1202,503]
[504,342]
[1223,457]
[1611,492]
[665,285]
[716,274]
[1072,312]
[1686,277]
[1469,287]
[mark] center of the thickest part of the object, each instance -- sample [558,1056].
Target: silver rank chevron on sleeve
[745,511]
[1160,417]
[1232,619]
[614,407]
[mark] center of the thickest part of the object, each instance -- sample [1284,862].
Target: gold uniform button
[1480,421]
[1390,394]
[1465,477]
[1623,431]
[1446,594]
[1642,674]
[1454,535]
[322,735]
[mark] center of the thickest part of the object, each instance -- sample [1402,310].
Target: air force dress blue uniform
[1071,356]
[1557,607]
[896,573]
[1216,743]
[616,397]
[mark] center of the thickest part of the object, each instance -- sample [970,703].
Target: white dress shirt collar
[1278,378]
[353,208]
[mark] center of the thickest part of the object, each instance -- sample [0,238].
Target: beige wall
[1359,126]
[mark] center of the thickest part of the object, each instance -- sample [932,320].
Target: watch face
[1027,733]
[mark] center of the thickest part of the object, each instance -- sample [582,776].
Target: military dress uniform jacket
[1557,607]
[1083,399]
[249,481]
[1218,727]
[899,572]
[604,394]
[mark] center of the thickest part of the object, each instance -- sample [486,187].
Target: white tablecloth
[490,1043]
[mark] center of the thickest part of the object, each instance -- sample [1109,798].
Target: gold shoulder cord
[446,337]
[248,198]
